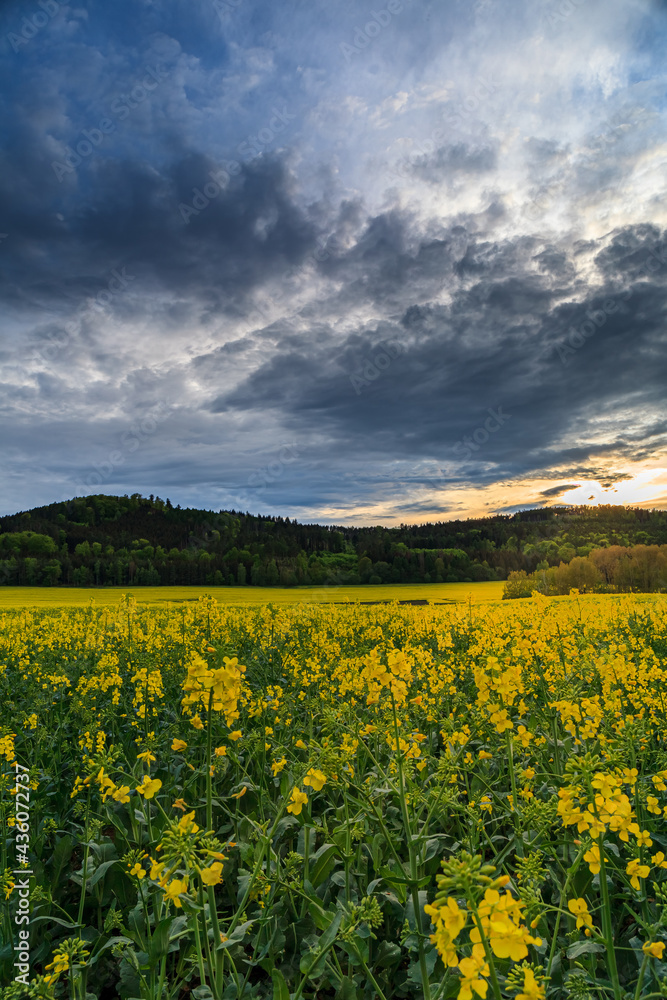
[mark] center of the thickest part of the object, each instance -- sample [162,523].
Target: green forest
[135,540]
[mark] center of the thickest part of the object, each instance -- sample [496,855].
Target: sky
[342,262]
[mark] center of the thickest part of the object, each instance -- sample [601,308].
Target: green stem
[209,785]
[488,953]
[570,875]
[607,930]
[414,873]
[84,879]
[200,957]
[640,981]
[219,955]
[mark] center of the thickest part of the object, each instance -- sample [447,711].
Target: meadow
[225,799]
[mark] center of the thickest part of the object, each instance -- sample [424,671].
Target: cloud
[557,491]
[391,250]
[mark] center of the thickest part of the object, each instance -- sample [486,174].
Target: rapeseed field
[447,593]
[309,800]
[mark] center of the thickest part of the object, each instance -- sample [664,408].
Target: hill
[136,540]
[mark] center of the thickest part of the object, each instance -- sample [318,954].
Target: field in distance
[44,597]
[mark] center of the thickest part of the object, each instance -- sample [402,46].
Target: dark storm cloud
[494,345]
[449,161]
[250,231]
[557,491]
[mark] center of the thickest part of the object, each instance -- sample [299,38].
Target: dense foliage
[104,540]
[319,802]
[640,568]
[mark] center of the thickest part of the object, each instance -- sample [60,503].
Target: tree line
[134,540]
[618,568]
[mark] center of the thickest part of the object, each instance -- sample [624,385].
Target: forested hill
[135,540]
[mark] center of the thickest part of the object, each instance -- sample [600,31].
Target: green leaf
[347,990]
[431,848]
[61,855]
[584,948]
[329,935]
[159,945]
[236,937]
[280,990]
[321,918]
[56,920]
[324,861]
[112,942]
[388,953]
[99,872]
[313,961]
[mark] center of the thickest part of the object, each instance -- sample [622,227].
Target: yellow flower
[278,765]
[636,870]
[659,860]
[654,949]
[315,779]
[471,970]
[483,755]
[239,795]
[196,722]
[149,786]
[236,735]
[298,800]
[301,745]
[592,856]
[138,870]
[213,874]
[579,909]
[121,794]
[220,751]
[147,756]
[451,916]
[174,890]
[156,870]
[186,823]
[644,839]
[180,804]
[178,745]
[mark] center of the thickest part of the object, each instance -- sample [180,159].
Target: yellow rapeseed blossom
[579,909]
[316,779]
[149,786]
[298,800]
[636,870]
